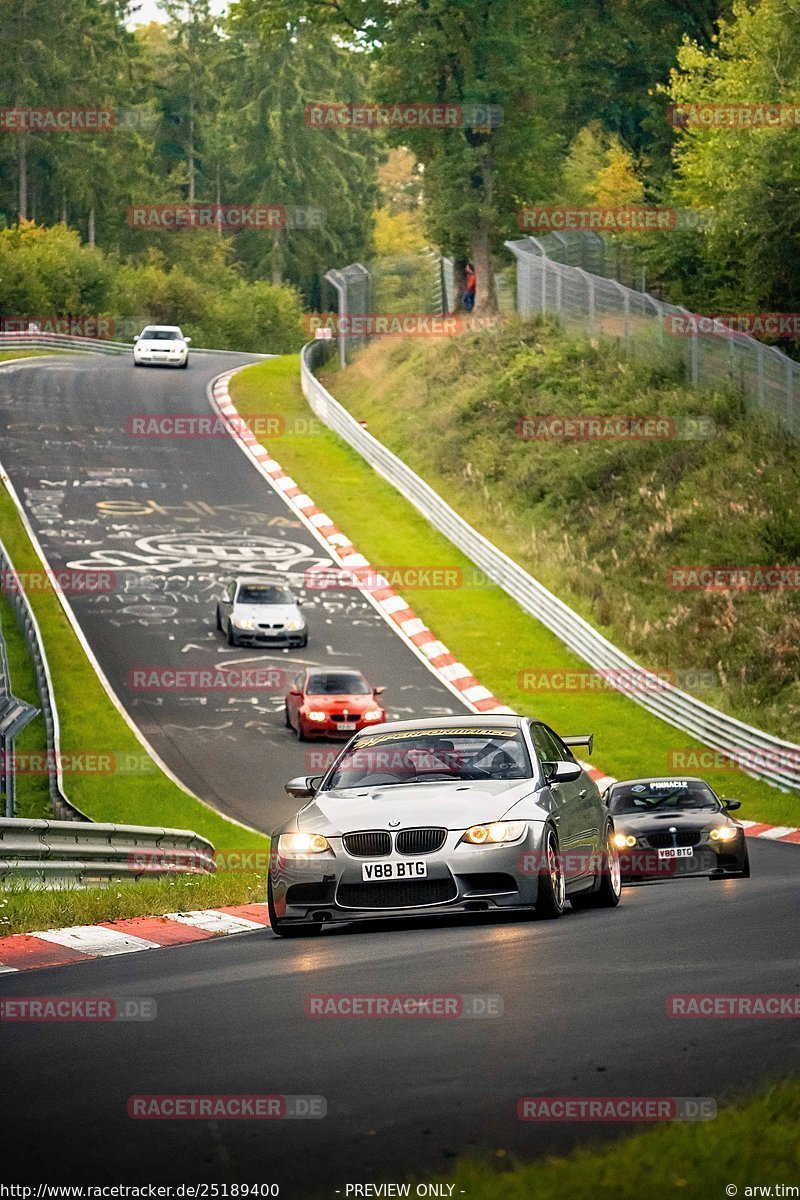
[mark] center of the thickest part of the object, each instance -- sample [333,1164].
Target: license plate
[677,852]
[373,871]
[347,725]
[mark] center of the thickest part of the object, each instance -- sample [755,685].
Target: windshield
[258,594]
[421,757]
[337,684]
[161,335]
[663,795]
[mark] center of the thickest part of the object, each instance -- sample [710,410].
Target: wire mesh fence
[714,355]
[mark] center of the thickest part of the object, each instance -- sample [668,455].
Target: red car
[331,704]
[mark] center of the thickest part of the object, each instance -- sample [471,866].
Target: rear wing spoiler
[580,739]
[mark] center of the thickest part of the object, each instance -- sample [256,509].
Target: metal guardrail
[759,754]
[52,852]
[54,341]
[14,592]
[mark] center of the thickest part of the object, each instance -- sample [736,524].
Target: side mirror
[562,772]
[299,603]
[378,691]
[136,338]
[731,804]
[295,692]
[188,341]
[303,787]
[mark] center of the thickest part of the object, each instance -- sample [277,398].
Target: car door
[566,796]
[586,807]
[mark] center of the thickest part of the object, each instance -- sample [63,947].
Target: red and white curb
[393,607]
[82,943]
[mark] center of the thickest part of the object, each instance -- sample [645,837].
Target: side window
[230,591]
[563,753]
[546,749]
[298,681]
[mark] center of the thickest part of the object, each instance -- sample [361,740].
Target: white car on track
[164,344]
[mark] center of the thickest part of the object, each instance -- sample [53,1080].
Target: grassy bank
[482,626]
[25,909]
[752,1143]
[91,724]
[603,523]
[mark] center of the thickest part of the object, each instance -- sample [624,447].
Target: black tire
[605,893]
[304,642]
[301,737]
[231,635]
[288,929]
[551,901]
[136,364]
[219,619]
[287,722]
[745,871]
[184,365]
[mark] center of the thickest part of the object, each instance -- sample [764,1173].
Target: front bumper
[333,729]
[642,864]
[284,639]
[163,360]
[460,879]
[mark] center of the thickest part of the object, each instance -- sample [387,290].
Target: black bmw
[667,828]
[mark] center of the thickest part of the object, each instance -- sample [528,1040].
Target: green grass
[32,789]
[8,355]
[751,1143]
[91,723]
[25,909]
[481,626]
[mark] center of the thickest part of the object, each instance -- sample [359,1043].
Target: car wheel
[304,642]
[184,365]
[745,872]
[219,619]
[231,635]
[607,892]
[136,364]
[286,716]
[301,737]
[289,929]
[551,900]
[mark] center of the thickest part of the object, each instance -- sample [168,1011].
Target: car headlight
[295,623]
[374,714]
[244,622]
[303,843]
[316,715]
[623,841]
[494,833]
[723,833]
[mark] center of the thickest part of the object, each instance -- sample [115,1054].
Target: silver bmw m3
[452,815]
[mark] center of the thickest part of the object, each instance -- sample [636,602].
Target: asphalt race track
[168,518]
[584,999]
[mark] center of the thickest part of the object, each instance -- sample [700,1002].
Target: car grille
[375,844]
[267,626]
[420,841]
[344,716]
[401,894]
[665,841]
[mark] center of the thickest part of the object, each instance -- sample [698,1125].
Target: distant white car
[163,344]
[253,612]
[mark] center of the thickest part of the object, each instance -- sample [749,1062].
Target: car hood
[454,806]
[161,343]
[334,703]
[273,613]
[661,822]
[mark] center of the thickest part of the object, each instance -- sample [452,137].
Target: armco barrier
[53,852]
[54,341]
[759,754]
